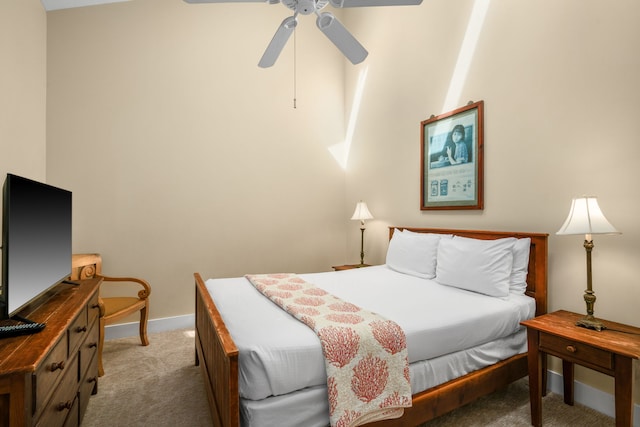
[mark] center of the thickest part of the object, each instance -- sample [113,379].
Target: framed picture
[451,160]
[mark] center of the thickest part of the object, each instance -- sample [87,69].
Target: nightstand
[610,351]
[349,266]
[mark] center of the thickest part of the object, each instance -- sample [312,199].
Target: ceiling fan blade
[230,1]
[338,34]
[277,42]
[362,3]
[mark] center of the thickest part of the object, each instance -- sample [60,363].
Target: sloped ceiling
[66,4]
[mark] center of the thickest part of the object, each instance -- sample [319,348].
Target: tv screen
[36,241]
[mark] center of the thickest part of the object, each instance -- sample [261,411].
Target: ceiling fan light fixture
[305,7]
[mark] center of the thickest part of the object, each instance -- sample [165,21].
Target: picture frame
[452,171]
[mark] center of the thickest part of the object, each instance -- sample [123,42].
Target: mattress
[279,355]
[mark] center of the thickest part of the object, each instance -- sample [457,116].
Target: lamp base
[591,322]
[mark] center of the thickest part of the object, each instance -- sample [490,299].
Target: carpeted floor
[159,385]
[156,385]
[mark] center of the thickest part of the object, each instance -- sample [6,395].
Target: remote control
[22,329]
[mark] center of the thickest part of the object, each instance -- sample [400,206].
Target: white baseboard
[584,394]
[589,396]
[125,330]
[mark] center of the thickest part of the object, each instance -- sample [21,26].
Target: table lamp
[585,217]
[361,214]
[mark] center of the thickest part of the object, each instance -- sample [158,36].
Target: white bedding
[312,405]
[279,355]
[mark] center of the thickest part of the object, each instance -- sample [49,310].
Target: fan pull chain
[294,68]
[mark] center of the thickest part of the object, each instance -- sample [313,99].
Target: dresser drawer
[46,375]
[93,309]
[73,419]
[63,402]
[77,331]
[88,386]
[89,349]
[576,352]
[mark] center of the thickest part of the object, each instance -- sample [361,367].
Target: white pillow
[482,266]
[415,233]
[413,253]
[518,280]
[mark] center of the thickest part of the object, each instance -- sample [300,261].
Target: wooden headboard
[537,276]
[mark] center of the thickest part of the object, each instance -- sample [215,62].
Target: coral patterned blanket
[365,354]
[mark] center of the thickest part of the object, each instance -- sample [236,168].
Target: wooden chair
[85,266]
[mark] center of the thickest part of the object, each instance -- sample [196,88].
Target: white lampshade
[585,217]
[362,212]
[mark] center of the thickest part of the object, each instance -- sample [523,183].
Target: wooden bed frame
[217,354]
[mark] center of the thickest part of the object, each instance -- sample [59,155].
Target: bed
[219,357]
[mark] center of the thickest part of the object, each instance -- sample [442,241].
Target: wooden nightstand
[610,351]
[349,266]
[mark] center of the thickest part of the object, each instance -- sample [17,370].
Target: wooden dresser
[46,378]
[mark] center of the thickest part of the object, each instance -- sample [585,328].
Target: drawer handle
[65,405]
[81,329]
[93,345]
[95,305]
[571,349]
[57,365]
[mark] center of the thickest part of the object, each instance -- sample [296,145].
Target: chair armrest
[143,294]
[101,307]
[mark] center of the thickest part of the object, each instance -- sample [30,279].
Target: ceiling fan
[326,22]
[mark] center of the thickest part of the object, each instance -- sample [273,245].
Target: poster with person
[451,161]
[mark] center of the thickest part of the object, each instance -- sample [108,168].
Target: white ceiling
[66,4]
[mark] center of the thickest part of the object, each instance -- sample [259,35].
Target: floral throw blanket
[365,354]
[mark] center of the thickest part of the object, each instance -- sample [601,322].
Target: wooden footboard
[217,355]
[451,395]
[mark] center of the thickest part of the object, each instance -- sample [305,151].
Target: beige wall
[560,86]
[23,55]
[183,155]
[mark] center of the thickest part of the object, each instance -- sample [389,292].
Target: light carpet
[159,385]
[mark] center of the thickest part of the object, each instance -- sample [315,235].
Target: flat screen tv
[36,241]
